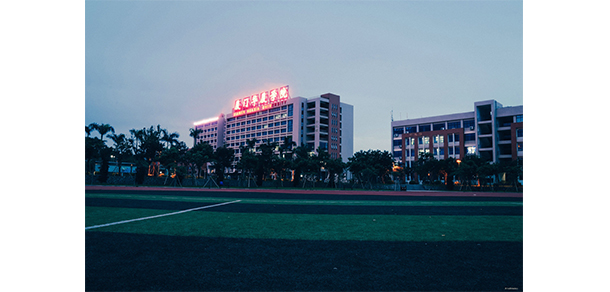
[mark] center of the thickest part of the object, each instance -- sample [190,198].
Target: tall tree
[448,168]
[103,129]
[514,172]
[371,166]
[147,149]
[265,161]
[201,155]
[174,159]
[335,169]
[194,133]
[427,166]
[121,149]
[223,159]
[170,139]
[248,161]
[301,164]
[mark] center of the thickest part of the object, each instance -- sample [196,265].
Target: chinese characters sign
[260,101]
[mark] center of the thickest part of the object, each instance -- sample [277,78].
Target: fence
[232,183]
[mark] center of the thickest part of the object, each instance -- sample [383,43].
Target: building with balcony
[321,121]
[491,131]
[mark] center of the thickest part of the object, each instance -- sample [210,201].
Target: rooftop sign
[261,101]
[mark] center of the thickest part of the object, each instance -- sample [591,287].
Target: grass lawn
[360,247]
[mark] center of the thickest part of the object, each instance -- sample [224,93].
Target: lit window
[471,150]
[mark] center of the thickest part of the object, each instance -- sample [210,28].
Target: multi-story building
[273,115]
[491,131]
[212,131]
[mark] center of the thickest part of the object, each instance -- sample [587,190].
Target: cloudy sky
[174,63]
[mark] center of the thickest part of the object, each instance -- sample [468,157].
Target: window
[519,133]
[437,127]
[290,110]
[471,150]
[439,139]
[520,119]
[453,125]
[450,138]
[469,124]
[519,146]
[469,137]
[424,128]
[289,125]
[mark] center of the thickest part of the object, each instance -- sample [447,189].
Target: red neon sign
[261,101]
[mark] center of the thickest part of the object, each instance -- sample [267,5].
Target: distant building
[212,131]
[492,131]
[322,121]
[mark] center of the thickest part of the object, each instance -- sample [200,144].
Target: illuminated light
[205,121]
[262,101]
[284,93]
[273,95]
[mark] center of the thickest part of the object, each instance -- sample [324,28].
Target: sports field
[169,239]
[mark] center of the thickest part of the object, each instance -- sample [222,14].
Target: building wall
[347,131]
[213,131]
[492,131]
[311,123]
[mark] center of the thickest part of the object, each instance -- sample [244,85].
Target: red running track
[329,192]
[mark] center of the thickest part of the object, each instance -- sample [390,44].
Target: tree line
[468,171]
[150,148]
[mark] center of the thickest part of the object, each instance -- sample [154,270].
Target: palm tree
[169,139]
[103,129]
[194,133]
[301,164]
[121,149]
[223,158]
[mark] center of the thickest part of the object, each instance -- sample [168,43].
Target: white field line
[160,215]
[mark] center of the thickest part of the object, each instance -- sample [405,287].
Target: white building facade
[270,116]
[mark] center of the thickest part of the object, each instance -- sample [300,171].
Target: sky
[175,63]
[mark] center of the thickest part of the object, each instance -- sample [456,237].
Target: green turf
[305,202]
[311,227]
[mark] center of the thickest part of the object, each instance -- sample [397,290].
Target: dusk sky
[175,63]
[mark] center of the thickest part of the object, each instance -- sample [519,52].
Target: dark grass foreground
[133,262]
[312,209]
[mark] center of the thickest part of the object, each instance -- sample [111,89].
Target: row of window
[435,152]
[259,120]
[467,124]
[259,134]
[259,127]
[243,143]
[208,130]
